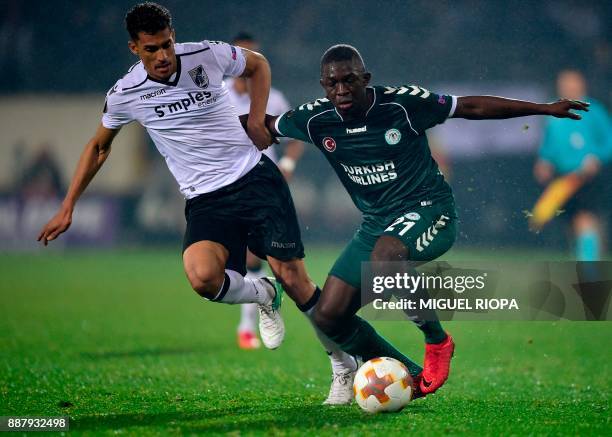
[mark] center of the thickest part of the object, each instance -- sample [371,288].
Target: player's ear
[173,36]
[366,77]
[133,47]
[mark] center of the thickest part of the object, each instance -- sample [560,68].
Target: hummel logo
[357,130]
[426,383]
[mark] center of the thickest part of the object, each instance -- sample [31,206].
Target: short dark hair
[341,52]
[244,36]
[147,17]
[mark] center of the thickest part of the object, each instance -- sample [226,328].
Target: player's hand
[260,135]
[543,172]
[562,108]
[58,224]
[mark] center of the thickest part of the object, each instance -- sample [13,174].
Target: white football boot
[341,390]
[271,325]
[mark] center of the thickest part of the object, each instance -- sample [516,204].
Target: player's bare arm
[94,154]
[490,107]
[257,70]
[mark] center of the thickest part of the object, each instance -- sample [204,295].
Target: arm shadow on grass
[268,419]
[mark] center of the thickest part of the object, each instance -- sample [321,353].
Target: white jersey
[189,117]
[277,105]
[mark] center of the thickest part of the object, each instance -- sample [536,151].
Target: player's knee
[205,280]
[389,249]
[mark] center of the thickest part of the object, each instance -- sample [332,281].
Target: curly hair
[147,17]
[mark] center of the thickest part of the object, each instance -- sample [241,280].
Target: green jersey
[383,160]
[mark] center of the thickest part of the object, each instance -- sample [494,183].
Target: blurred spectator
[16,44]
[584,148]
[277,104]
[440,155]
[42,176]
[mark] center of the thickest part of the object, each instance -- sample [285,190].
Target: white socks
[237,289]
[248,311]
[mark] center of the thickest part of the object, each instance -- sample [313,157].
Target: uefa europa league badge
[393,136]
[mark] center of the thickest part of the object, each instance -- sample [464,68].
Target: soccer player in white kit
[235,196]
[277,104]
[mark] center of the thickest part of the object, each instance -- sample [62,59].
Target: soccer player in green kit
[374,138]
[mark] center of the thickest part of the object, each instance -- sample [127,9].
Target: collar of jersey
[177,74]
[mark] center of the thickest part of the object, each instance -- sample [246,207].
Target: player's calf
[293,278]
[329,319]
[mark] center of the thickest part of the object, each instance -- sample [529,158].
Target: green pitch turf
[119,342]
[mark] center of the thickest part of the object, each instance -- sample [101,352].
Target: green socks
[359,338]
[433,332]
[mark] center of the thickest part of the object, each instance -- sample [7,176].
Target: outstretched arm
[95,153]
[489,107]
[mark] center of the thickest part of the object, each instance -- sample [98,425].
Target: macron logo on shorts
[279,245]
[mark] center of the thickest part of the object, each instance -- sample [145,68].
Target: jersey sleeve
[424,108]
[230,58]
[293,124]
[116,111]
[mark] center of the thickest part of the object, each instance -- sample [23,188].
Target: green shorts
[427,231]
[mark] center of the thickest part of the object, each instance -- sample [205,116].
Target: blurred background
[57,60]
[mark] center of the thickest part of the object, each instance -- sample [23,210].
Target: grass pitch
[119,342]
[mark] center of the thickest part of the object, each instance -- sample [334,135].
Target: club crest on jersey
[393,136]
[199,76]
[329,144]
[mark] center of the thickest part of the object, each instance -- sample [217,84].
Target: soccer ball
[382,384]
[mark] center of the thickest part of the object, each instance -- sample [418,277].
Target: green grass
[119,342]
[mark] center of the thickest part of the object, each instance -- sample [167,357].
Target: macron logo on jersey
[152,94]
